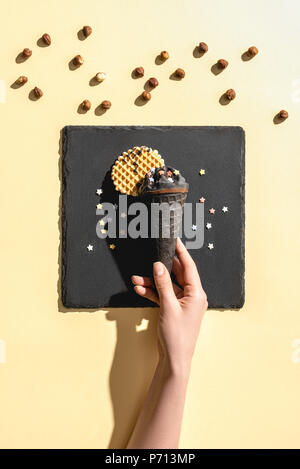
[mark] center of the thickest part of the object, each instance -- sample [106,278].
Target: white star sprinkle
[90,247]
[99,206]
[151,179]
[208,226]
[99,191]
[225,209]
[194,227]
[210,246]
[170,179]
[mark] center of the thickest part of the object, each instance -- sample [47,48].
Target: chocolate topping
[163,180]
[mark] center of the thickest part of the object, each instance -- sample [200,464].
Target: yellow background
[77,379]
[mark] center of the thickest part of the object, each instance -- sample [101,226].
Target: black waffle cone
[168,228]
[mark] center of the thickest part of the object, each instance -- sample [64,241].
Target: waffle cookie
[131,167]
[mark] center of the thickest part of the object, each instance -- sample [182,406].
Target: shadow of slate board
[101,278]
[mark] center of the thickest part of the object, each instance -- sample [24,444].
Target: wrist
[175,368]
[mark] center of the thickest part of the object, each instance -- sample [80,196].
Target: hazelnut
[87,31]
[106,104]
[283,114]
[78,60]
[203,47]
[252,51]
[100,77]
[139,72]
[230,94]
[21,80]
[38,92]
[153,82]
[47,39]
[27,52]
[164,55]
[86,105]
[222,63]
[146,95]
[180,73]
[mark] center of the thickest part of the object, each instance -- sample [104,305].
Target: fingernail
[158,268]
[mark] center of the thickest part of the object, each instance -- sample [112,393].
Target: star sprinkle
[225,209]
[99,206]
[202,172]
[170,179]
[161,172]
[90,247]
[101,222]
[123,215]
[194,227]
[151,179]
[169,173]
[208,226]
[103,231]
[99,191]
[212,211]
[112,246]
[210,246]
[202,200]
[176,172]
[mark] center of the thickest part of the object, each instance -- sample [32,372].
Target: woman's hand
[181,307]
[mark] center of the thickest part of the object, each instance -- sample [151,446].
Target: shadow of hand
[132,368]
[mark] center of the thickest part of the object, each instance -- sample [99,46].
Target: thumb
[163,284]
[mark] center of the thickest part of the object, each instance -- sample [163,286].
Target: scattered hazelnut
[100,77]
[139,72]
[47,39]
[21,80]
[252,51]
[87,31]
[222,63]
[153,82]
[283,114]
[180,73]
[78,60]
[146,95]
[203,47]
[86,105]
[230,94]
[164,55]
[38,92]
[27,52]
[106,104]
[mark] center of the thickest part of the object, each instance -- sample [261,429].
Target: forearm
[159,423]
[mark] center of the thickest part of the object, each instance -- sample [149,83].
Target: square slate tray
[101,278]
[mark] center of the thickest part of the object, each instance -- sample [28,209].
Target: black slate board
[101,278]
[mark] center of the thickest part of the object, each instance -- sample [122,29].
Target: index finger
[190,272]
